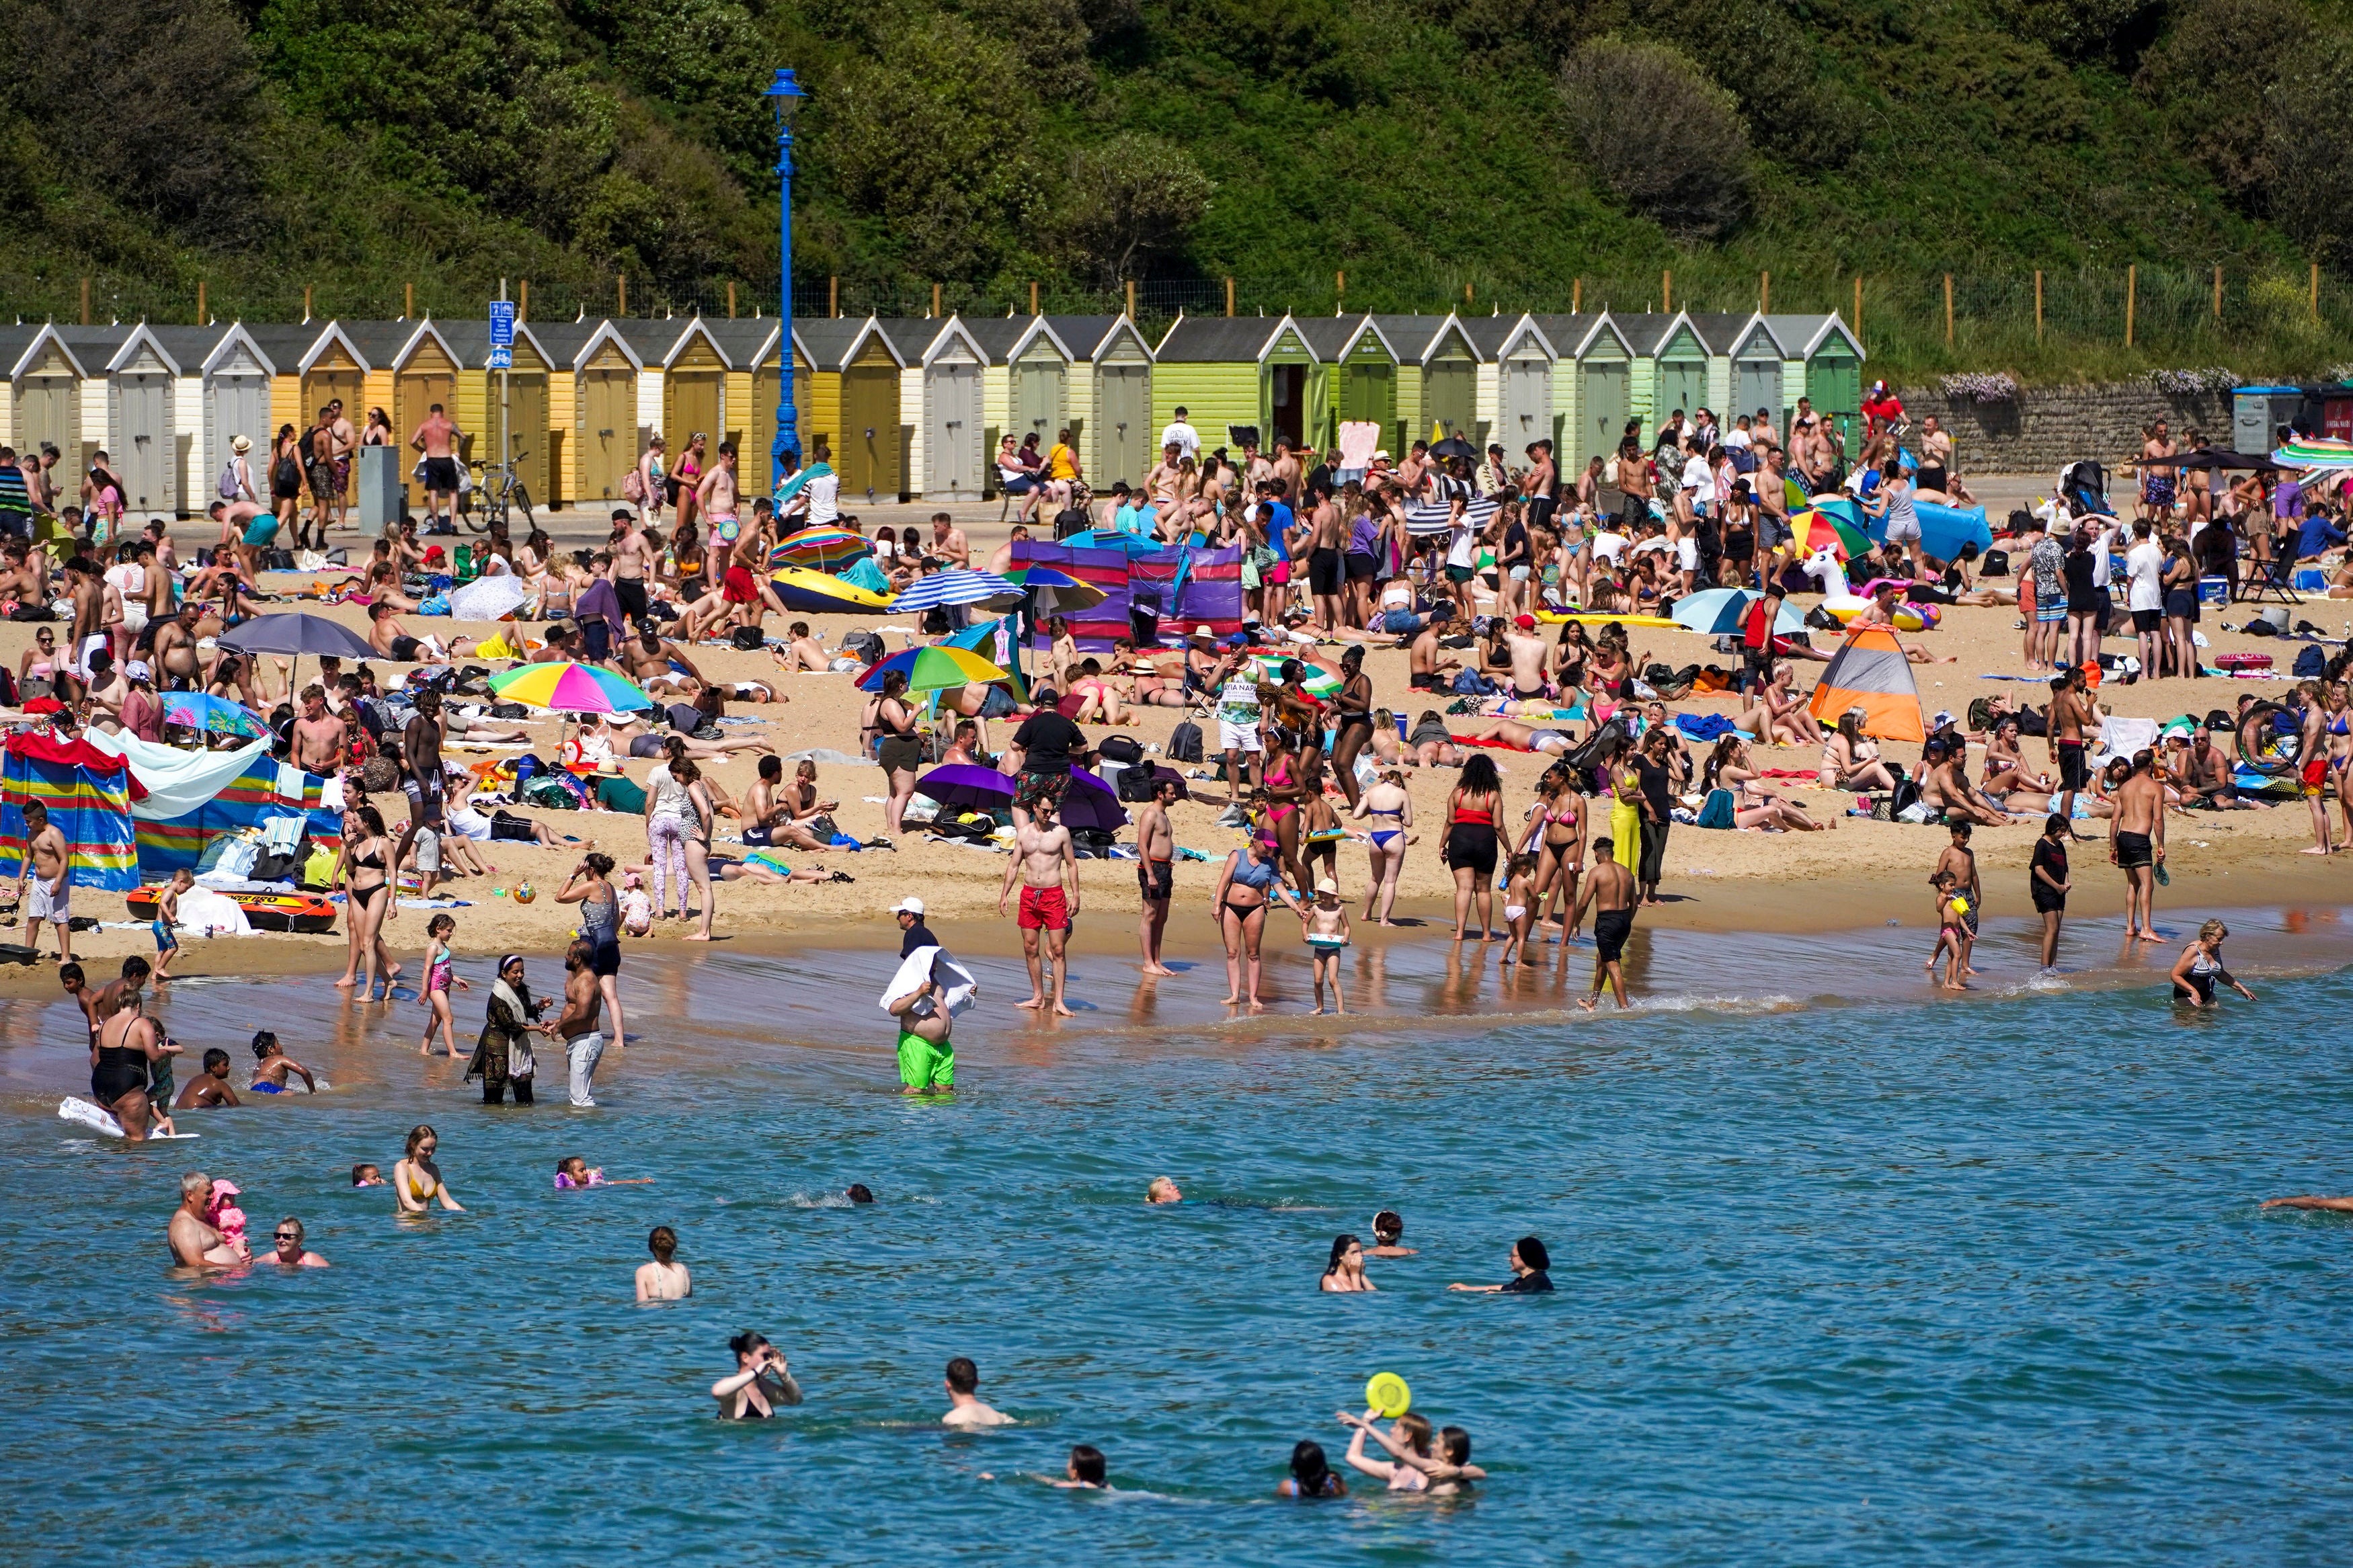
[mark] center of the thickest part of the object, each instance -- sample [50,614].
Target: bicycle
[502,494]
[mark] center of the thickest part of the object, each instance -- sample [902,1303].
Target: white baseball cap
[907,907]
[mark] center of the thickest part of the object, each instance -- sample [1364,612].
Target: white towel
[957,985]
[289,783]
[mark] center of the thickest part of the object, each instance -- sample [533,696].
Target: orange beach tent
[1870,672]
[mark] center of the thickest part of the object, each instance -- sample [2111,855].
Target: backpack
[1185,743]
[746,639]
[863,645]
[2310,661]
[633,487]
[1717,811]
[1996,564]
[228,486]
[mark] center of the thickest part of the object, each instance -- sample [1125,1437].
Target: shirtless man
[630,559]
[1427,661]
[317,734]
[650,656]
[579,1026]
[1325,577]
[1000,559]
[1047,864]
[802,651]
[1161,483]
[247,527]
[1156,865]
[48,869]
[948,542]
[1528,651]
[965,1408]
[2157,484]
[1609,889]
[2070,708]
[2136,844]
[177,666]
[715,500]
[87,589]
[1286,469]
[437,438]
[421,750]
[194,1243]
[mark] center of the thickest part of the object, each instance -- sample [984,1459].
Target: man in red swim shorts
[1047,864]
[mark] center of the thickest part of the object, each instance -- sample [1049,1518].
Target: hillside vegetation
[1421,146]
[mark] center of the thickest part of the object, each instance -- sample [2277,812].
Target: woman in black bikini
[890,723]
[121,1058]
[367,856]
[1250,880]
[760,1383]
[1356,720]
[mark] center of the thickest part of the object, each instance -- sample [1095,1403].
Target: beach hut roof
[746,343]
[192,343]
[469,342]
[1573,336]
[286,348]
[1752,329]
[1806,334]
[1006,338]
[94,346]
[1718,330]
[1090,337]
[1495,338]
[1418,338]
[833,342]
[225,342]
[1646,331]
[25,344]
[922,339]
[604,333]
[1333,338]
[388,345]
[1229,340]
[564,340]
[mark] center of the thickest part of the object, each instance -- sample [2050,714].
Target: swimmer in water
[196,1243]
[211,1087]
[1412,1467]
[1531,1271]
[1085,1471]
[761,1382]
[665,1279]
[1310,1473]
[573,1172]
[2201,965]
[365,1175]
[1163,1191]
[288,1249]
[1387,1226]
[416,1179]
[269,1075]
[965,1408]
[1346,1272]
[859,1193]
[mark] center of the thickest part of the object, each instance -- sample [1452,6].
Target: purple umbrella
[1089,802]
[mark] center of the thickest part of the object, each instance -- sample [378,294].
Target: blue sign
[502,358]
[502,326]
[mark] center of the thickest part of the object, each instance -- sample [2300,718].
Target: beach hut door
[1126,397]
[955,457]
[1527,405]
[1758,386]
[143,431]
[1606,404]
[241,407]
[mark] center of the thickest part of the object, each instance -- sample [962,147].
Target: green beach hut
[1232,374]
[1593,392]
[1516,364]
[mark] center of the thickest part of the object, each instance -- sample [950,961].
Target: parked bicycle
[503,495]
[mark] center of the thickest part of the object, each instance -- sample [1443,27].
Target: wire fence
[2052,325]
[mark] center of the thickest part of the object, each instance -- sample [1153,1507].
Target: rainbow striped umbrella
[569,688]
[1069,593]
[940,668]
[823,547]
[1821,529]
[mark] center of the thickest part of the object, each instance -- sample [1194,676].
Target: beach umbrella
[569,688]
[296,633]
[1817,529]
[213,715]
[822,547]
[1718,611]
[1088,803]
[938,669]
[968,786]
[1455,446]
[487,598]
[959,586]
[1068,592]
[1435,517]
[1316,680]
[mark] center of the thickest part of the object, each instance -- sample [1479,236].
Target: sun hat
[242,443]
[908,906]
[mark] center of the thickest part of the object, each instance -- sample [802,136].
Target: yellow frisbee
[1387,1394]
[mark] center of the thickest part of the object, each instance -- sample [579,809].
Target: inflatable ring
[2274,752]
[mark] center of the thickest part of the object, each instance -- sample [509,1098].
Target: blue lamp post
[787,96]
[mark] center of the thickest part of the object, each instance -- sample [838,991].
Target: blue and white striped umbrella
[957,587]
[1435,517]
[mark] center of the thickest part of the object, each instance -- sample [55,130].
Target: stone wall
[2049,428]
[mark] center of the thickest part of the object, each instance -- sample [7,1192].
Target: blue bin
[2214,590]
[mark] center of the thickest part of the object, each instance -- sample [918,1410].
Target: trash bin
[377,476]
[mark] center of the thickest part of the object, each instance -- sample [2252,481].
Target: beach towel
[935,963]
[1704,726]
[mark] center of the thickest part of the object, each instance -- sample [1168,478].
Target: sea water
[1891,1282]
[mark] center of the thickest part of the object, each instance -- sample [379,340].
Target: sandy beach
[1862,872]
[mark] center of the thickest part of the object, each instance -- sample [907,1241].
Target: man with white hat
[909,913]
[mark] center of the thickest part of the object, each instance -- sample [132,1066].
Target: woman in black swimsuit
[121,1055]
[760,1383]
[890,725]
[1355,720]
[367,856]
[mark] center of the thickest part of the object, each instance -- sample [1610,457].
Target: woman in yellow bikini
[417,1179]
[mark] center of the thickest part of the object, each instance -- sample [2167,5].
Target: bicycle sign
[502,320]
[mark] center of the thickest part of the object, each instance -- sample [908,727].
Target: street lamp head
[788,95]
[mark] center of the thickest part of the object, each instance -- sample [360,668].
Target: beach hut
[525,395]
[221,391]
[681,382]
[94,348]
[144,436]
[285,350]
[943,403]
[1515,383]
[1825,365]
[1026,387]
[45,397]
[592,409]
[1438,380]
[406,368]
[853,405]
[749,345]
[1237,373]
[1110,397]
[1358,370]
[1593,390]
[1750,368]
[1671,365]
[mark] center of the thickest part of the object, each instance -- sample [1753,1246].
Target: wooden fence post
[1667,292]
[1948,309]
[730,298]
[1339,292]
[523,300]
[935,302]
[1576,298]
[1466,294]
[2038,305]
[833,296]
[621,282]
[200,301]
[1033,296]
[85,301]
[1763,293]
[2218,293]
[1857,323]
[306,303]
[2132,287]
[1131,299]
[1229,297]
[408,302]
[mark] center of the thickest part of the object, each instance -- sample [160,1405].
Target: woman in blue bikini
[1391,809]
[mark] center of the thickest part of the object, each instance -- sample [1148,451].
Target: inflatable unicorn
[1842,603]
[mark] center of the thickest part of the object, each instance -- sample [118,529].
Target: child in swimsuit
[572,1171]
[1326,923]
[435,998]
[1519,905]
[1952,932]
[167,914]
[269,1077]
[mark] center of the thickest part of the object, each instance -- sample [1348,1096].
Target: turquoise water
[1897,1283]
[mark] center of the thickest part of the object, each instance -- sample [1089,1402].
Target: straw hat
[241,445]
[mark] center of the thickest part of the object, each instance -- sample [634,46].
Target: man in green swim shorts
[927,1056]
